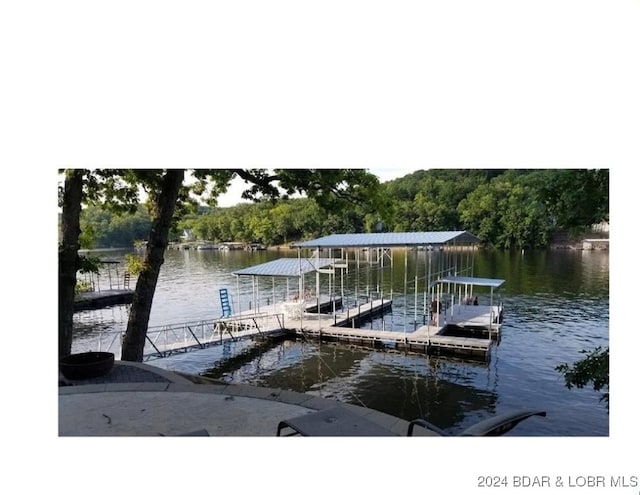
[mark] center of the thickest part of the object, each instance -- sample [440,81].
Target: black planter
[86,365]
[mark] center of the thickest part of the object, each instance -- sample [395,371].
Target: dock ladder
[225,302]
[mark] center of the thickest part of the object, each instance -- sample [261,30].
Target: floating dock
[467,334]
[428,339]
[102,299]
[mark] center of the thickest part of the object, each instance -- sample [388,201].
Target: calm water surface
[556,305]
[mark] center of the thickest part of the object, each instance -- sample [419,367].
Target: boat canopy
[390,239]
[481,282]
[287,267]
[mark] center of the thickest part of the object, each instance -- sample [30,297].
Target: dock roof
[482,282]
[286,267]
[390,239]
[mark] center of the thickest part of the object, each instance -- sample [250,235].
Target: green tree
[575,198]
[524,221]
[507,212]
[104,228]
[510,209]
[428,200]
[306,218]
[479,212]
[162,207]
[592,369]
[260,226]
[118,189]
[68,258]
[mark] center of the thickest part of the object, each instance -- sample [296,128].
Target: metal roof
[389,239]
[286,267]
[483,282]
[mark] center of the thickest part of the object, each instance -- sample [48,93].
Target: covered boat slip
[317,303]
[298,298]
[446,290]
[465,308]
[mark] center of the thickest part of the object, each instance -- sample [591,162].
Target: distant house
[601,227]
[187,235]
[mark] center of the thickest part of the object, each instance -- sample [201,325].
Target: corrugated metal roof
[286,267]
[483,282]
[390,239]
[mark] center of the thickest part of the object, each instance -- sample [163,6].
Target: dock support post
[490,313]
[415,291]
[404,323]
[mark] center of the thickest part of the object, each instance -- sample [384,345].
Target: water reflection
[409,386]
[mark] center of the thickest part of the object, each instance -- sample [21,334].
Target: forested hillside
[506,208]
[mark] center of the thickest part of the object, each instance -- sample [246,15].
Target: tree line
[507,209]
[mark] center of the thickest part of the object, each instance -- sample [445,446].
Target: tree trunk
[163,209]
[68,259]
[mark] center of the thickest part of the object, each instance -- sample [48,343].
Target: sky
[339,83]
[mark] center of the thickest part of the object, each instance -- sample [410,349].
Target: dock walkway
[427,338]
[340,326]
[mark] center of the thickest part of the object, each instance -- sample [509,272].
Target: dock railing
[164,340]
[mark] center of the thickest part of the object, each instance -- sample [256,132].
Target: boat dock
[345,282]
[271,324]
[428,339]
[470,337]
[102,299]
[453,320]
[92,296]
[331,293]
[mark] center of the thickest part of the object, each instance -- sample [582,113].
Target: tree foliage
[275,223]
[575,198]
[428,200]
[103,228]
[134,264]
[592,369]
[507,212]
[508,209]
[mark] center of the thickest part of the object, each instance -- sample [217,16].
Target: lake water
[556,305]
